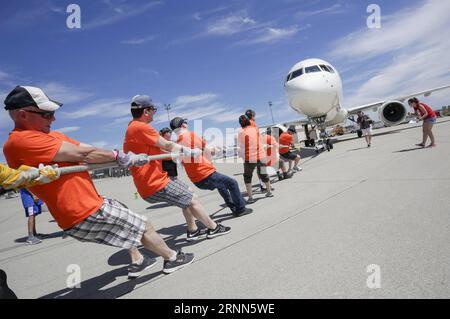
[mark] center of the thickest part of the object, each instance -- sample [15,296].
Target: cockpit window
[311,69]
[325,68]
[330,68]
[294,74]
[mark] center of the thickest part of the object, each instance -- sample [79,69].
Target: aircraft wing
[375,105]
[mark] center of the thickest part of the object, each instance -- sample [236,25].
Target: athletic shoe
[420,144]
[197,235]
[269,194]
[288,174]
[183,259]
[135,270]
[218,231]
[251,201]
[242,212]
[297,169]
[32,240]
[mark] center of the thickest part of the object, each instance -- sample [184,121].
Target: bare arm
[69,152]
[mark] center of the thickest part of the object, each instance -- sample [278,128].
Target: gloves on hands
[191,152]
[26,176]
[131,159]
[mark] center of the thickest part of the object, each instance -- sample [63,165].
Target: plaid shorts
[113,224]
[175,193]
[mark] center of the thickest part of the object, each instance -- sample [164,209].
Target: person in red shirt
[286,142]
[202,172]
[272,150]
[252,151]
[428,116]
[73,200]
[151,180]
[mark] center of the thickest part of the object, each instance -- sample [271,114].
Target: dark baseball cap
[177,122]
[164,130]
[142,102]
[23,96]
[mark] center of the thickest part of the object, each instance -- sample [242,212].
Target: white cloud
[270,35]
[63,93]
[230,25]
[103,108]
[68,129]
[334,9]
[415,57]
[99,144]
[397,32]
[228,116]
[118,12]
[183,101]
[137,41]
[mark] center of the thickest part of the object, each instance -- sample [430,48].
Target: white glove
[47,174]
[191,152]
[131,159]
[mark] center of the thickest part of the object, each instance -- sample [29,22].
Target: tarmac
[357,222]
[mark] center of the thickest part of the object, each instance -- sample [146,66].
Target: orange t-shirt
[249,139]
[271,150]
[285,139]
[252,123]
[197,169]
[71,198]
[149,178]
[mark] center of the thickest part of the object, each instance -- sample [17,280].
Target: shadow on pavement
[409,150]
[58,234]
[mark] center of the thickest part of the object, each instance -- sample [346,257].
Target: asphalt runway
[358,222]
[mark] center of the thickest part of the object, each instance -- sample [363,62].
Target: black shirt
[170,167]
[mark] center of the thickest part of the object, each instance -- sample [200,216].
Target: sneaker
[420,144]
[288,174]
[251,201]
[218,231]
[197,235]
[183,259]
[32,240]
[242,212]
[135,270]
[269,194]
[297,169]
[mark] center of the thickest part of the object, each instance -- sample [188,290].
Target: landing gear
[325,142]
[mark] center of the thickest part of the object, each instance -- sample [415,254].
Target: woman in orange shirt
[425,113]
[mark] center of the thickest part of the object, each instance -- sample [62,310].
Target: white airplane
[314,88]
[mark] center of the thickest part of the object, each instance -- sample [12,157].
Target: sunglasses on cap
[46,115]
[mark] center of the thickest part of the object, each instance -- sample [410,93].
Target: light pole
[168,108]
[270,106]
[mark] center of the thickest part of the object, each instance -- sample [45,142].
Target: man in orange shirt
[202,172]
[252,151]
[152,182]
[72,199]
[272,149]
[286,142]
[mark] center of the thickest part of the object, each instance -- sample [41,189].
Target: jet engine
[392,113]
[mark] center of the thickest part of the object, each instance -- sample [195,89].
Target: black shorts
[289,155]
[261,170]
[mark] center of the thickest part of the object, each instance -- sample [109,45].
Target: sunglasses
[46,115]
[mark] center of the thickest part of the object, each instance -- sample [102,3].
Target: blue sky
[211,60]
